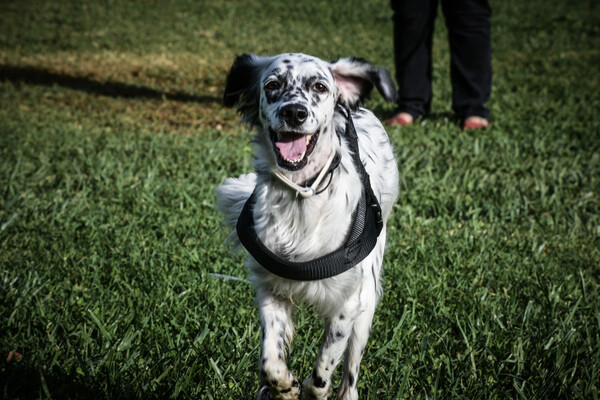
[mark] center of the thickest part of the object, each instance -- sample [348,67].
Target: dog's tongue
[291,146]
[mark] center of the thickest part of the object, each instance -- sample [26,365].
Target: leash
[366,227]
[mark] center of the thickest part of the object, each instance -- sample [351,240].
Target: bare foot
[475,122]
[402,118]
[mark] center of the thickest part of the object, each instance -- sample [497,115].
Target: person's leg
[413,36]
[468,23]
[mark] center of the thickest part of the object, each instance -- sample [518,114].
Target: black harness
[367,225]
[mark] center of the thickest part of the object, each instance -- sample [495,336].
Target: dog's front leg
[277,331]
[361,329]
[357,343]
[337,331]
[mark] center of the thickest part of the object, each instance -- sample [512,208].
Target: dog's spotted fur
[287,98]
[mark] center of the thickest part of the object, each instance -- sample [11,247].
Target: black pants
[468,23]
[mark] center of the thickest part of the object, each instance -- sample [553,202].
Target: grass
[112,140]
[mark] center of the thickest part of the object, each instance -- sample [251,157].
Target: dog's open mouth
[292,148]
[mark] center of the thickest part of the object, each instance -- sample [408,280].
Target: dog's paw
[280,390]
[315,390]
[347,393]
[264,393]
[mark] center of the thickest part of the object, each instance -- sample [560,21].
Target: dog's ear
[242,87]
[356,77]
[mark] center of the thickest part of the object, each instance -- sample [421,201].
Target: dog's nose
[293,114]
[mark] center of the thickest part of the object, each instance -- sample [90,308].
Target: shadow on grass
[37,76]
[28,382]
[25,382]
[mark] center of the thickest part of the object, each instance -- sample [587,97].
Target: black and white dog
[307,191]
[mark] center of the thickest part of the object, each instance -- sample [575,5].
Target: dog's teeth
[308,137]
[297,160]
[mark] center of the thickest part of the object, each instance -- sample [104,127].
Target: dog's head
[292,99]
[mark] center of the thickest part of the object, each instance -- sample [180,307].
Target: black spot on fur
[319,382]
[307,82]
[295,383]
[339,335]
[264,393]
[274,382]
[374,161]
[272,97]
[285,390]
[342,316]
[374,277]
[351,379]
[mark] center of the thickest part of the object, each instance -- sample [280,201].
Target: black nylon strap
[353,144]
[364,237]
[367,224]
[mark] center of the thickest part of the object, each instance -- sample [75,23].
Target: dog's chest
[301,229]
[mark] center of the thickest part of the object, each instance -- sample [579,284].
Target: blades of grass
[9,222]
[397,330]
[100,325]
[130,336]
[469,348]
[217,371]
[520,390]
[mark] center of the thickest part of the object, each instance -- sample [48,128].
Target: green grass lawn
[113,139]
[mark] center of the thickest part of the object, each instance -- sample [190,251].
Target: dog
[303,109]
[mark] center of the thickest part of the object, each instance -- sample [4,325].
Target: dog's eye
[319,88]
[272,85]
